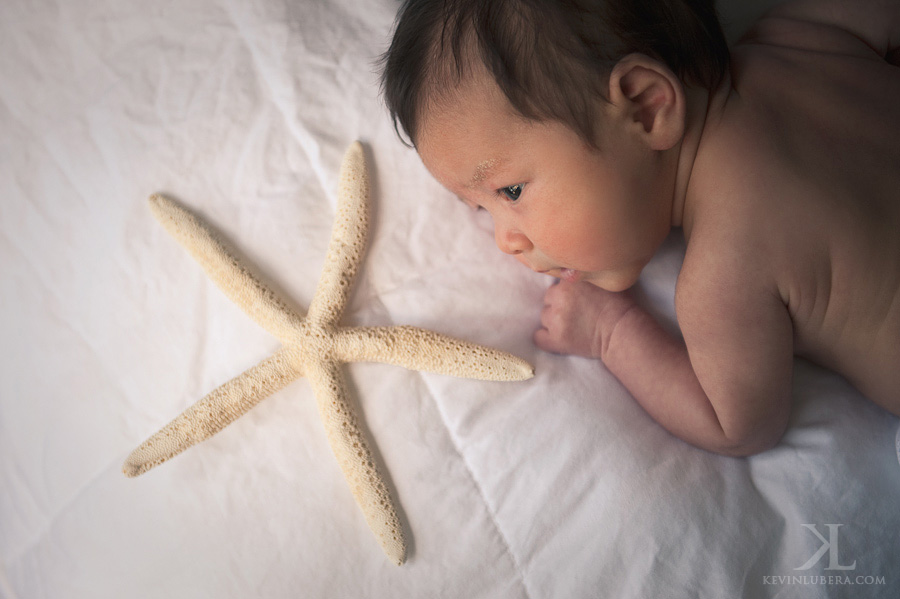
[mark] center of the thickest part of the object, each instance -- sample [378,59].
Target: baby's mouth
[570,275]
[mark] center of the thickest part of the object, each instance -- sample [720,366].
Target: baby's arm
[876,22]
[727,390]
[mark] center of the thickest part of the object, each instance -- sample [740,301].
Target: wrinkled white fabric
[555,487]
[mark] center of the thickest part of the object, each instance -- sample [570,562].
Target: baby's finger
[543,340]
[551,318]
[549,295]
[545,316]
[549,342]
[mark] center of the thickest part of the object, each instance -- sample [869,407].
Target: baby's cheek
[557,238]
[574,248]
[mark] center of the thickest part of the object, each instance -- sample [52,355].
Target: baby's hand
[578,318]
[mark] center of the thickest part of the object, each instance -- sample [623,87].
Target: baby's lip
[569,275]
[566,274]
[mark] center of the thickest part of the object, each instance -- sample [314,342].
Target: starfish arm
[237,282]
[348,240]
[421,349]
[355,459]
[214,412]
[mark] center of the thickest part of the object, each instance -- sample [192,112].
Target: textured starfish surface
[314,346]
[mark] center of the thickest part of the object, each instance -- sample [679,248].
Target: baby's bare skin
[786,181]
[792,214]
[814,131]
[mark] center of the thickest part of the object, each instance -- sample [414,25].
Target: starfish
[315,346]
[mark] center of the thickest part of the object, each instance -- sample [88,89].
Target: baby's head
[554,116]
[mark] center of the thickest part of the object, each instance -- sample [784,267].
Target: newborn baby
[588,129]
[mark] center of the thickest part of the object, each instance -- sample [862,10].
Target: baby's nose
[510,241]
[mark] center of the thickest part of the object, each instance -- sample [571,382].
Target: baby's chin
[610,280]
[615,281]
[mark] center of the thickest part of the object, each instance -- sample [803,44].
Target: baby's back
[814,122]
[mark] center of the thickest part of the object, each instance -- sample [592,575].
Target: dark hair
[551,59]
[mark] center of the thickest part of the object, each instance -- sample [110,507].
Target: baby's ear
[650,95]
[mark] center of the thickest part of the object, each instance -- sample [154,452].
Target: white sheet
[556,487]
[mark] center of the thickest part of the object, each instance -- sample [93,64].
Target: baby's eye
[512,192]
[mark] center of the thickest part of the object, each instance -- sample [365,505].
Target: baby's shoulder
[832,26]
[807,85]
[738,215]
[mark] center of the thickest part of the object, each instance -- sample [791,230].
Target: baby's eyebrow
[482,170]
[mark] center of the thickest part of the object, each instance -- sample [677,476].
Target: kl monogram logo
[830,545]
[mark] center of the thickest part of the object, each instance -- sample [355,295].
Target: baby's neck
[702,108]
